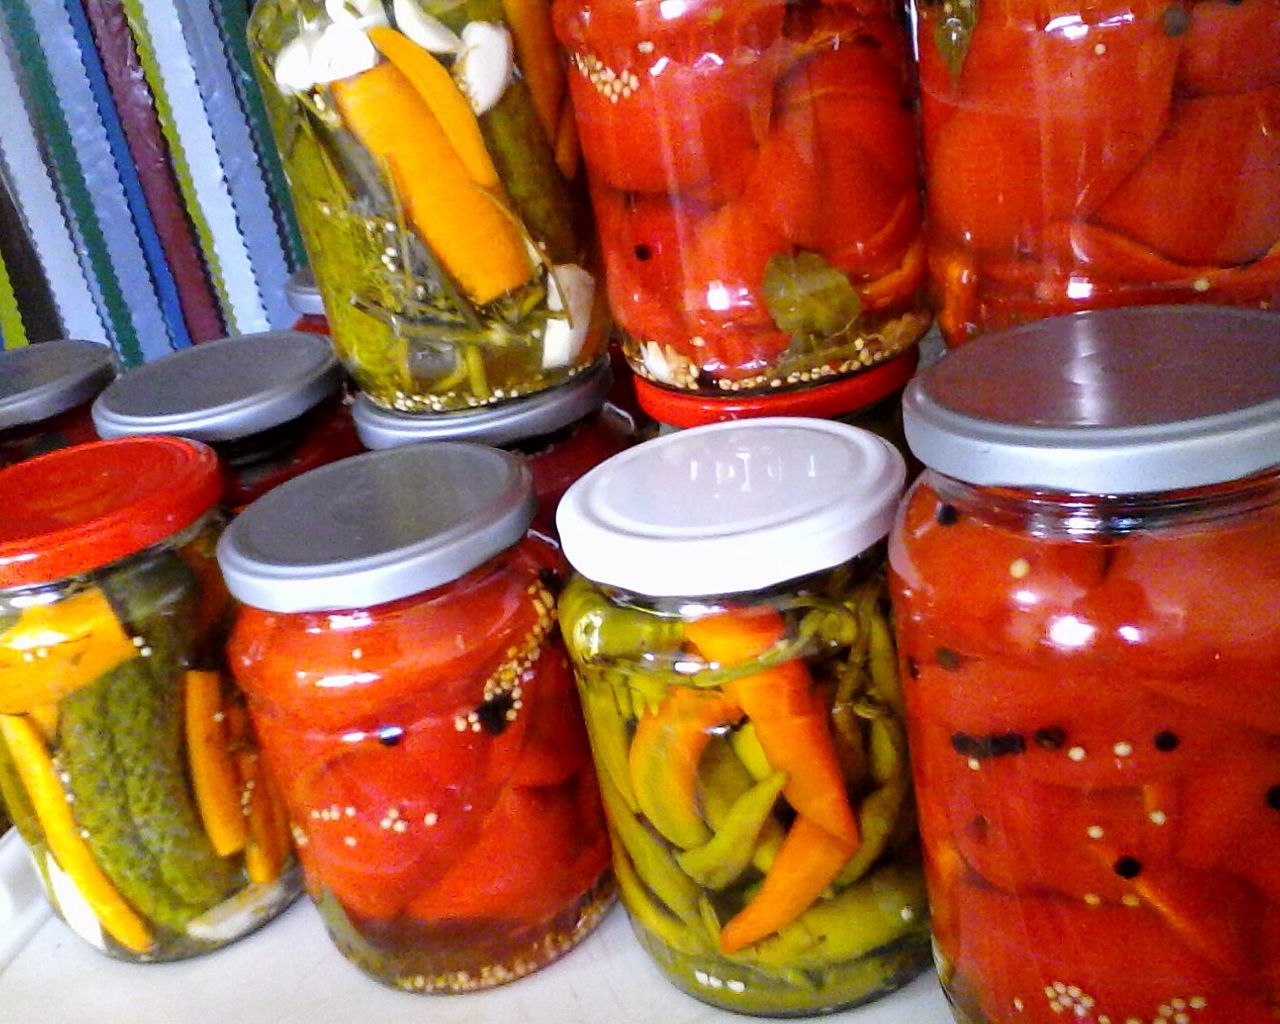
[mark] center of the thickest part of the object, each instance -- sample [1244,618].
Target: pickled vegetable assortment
[1097,747]
[754,768]
[128,763]
[755,183]
[433,162]
[1098,155]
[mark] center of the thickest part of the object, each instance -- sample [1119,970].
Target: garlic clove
[486,64]
[570,288]
[293,63]
[342,51]
[362,12]
[656,363]
[429,33]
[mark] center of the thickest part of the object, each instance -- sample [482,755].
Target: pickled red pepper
[1087,156]
[755,182]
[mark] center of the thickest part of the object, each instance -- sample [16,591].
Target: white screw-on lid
[377,527]
[731,507]
[222,390]
[1118,401]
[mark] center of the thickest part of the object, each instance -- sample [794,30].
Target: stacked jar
[304,299]
[1087,586]
[432,160]
[46,390]
[271,405]
[1101,154]
[754,177]
[127,759]
[729,630]
[398,646]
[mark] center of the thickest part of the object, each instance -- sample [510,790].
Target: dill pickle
[95,779]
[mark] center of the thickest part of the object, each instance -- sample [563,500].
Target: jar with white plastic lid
[304,298]
[397,642]
[561,432]
[728,624]
[1086,582]
[46,390]
[271,405]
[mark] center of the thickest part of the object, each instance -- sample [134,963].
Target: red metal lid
[823,401]
[77,509]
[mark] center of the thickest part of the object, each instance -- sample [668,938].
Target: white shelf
[289,973]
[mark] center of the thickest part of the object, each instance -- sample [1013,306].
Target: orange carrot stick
[213,774]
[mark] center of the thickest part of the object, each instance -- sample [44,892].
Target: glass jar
[755,182]
[430,151]
[399,650]
[303,296]
[46,390]
[1086,586]
[271,405]
[127,760]
[1090,155]
[729,630]
[562,433]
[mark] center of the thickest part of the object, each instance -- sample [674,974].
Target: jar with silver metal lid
[303,296]
[46,390]
[562,432]
[271,405]
[397,641]
[1087,594]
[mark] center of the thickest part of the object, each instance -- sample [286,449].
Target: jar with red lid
[1085,155]
[1087,597]
[127,760]
[562,432]
[754,176]
[271,405]
[46,390]
[398,646]
[304,298]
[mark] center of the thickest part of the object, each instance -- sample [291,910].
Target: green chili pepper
[883,663]
[645,913]
[608,733]
[594,628]
[722,781]
[720,861]
[879,811]
[746,745]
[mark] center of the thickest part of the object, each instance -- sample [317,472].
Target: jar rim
[1116,401]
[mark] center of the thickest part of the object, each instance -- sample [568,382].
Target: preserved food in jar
[737,673]
[433,163]
[271,405]
[1096,155]
[45,393]
[1086,582]
[304,299]
[755,183]
[126,758]
[398,646]
[562,432]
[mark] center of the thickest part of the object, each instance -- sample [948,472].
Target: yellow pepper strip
[264,854]
[56,648]
[441,93]
[40,778]
[474,239]
[213,774]
[530,25]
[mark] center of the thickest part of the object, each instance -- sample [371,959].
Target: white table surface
[289,973]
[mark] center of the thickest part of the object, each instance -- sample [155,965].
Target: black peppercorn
[1166,742]
[1127,867]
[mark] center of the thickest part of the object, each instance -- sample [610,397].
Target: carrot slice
[808,860]
[213,773]
[789,718]
[530,24]
[441,93]
[40,777]
[469,232]
[264,853]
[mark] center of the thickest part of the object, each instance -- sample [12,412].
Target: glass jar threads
[46,390]
[399,650]
[728,626]
[127,761]
[430,151]
[271,405]
[755,183]
[1086,583]
[1088,155]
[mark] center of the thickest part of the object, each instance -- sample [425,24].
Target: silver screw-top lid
[303,296]
[506,423]
[377,527]
[1122,401]
[222,390]
[42,380]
